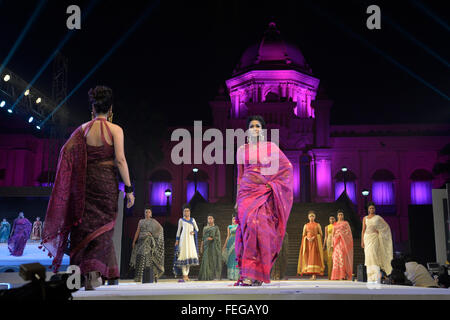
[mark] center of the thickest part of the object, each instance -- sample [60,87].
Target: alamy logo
[74,20]
[213,153]
[374,20]
[74,280]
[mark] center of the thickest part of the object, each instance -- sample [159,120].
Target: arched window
[160,181]
[350,185]
[383,192]
[201,178]
[421,185]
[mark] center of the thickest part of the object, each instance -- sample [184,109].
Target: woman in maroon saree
[264,201]
[83,204]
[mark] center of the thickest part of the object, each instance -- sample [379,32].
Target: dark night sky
[174,63]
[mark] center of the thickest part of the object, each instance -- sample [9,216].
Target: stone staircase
[223,212]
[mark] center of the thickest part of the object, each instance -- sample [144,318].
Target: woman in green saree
[211,265]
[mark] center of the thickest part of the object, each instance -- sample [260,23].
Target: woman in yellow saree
[310,259]
[328,245]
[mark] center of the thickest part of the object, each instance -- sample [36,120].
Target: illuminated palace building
[393,162]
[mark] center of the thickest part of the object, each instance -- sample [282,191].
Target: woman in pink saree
[264,201]
[83,204]
[342,249]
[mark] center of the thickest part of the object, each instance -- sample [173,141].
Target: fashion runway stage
[276,290]
[31,254]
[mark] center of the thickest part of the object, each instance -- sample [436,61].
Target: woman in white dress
[187,243]
[376,240]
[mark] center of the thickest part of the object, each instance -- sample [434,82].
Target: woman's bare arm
[119,151]
[228,236]
[362,232]
[121,161]
[136,236]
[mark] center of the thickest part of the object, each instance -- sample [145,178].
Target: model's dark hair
[331,216]
[101,98]
[370,204]
[148,206]
[186,206]
[257,118]
[340,210]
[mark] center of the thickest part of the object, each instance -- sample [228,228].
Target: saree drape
[229,254]
[342,252]
[83,206]
[5,230]
[329,249]
[36,233]
[279,267]
[20,234]
[378,251]
[262,211]
[149,249]
[310,259]
[211,264]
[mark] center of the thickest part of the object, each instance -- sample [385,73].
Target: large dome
[272,53]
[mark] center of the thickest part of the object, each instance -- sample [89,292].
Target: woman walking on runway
[264,201]
[84,198]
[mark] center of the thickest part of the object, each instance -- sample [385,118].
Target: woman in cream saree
[377,243]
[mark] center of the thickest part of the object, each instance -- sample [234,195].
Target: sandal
[243,283]
[256,283]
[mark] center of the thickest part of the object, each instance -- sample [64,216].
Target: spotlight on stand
[38,100]
[2,104]
[38,127]
[30,119]
[27,92]
[365,192]
[10,110]
[6,78]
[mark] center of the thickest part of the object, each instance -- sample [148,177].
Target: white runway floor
[284,290]
[31,254]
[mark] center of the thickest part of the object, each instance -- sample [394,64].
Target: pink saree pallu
[83,206]
[262,211]
[342,252]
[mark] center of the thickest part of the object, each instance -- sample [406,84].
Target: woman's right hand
[130,200]
[176,243]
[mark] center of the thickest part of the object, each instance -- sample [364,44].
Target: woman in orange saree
[310,259]
[342,249]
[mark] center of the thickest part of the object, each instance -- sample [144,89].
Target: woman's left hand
[192,232]
[130,200]
[210,238]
